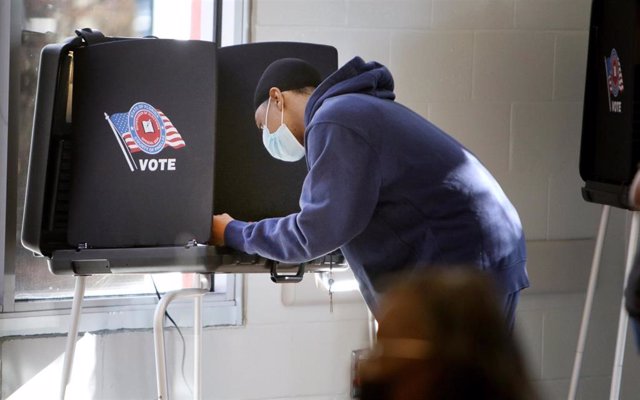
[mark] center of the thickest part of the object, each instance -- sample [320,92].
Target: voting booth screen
[610,147]
[143,130]
[250,184]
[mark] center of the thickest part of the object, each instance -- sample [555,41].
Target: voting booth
[136,143]
[128,137]
[120,172]
[610,145]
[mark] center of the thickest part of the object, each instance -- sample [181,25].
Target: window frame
[51,316]
[127,312]
[10,15]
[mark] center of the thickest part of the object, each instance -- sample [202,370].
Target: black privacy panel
[44,223]
[610,147]
[143,143]
[249,183]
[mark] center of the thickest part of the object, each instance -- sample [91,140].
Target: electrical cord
[184,343]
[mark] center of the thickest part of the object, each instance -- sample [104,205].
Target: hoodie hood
[356,76]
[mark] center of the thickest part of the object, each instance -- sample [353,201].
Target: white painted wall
[506,78]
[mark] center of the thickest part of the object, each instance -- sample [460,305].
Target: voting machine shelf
[190,258]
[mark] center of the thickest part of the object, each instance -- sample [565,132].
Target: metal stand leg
[158,336]
[373,329]
[78,295]
[197,347]
[586,314]
[624,317]
[197,341]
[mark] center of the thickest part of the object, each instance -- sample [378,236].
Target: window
[28,284]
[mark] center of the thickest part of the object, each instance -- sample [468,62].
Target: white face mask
[281,144]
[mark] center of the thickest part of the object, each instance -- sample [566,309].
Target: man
[384,185]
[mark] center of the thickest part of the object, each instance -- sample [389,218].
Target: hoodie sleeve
[339,195]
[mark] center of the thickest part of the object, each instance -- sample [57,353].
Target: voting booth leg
[623,322]
[586,314]
[197,342]
[78,295]
[624,318]
[373,329]
[158,337]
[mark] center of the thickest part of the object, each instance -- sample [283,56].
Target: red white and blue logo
[615,84]
[148,130]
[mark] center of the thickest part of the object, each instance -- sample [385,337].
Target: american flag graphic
[614,73]
[121,123]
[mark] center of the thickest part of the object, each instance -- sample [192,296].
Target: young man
[387,187]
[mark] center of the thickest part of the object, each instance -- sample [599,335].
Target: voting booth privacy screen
[143,147]
[610,147]
[128,135]
[250,184]
[125,140]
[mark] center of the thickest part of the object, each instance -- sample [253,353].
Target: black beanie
[285,74]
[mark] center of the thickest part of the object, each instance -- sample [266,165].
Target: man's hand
[218,225]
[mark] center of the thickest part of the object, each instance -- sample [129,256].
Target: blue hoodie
[389,189]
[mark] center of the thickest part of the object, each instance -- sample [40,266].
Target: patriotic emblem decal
[145,129]
[615,85]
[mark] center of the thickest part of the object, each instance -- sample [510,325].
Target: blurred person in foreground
[442,336]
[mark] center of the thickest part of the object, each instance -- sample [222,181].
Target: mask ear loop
[282,116]
[266,115]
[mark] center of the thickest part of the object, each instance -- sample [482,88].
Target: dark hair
[305,90]
[472,354]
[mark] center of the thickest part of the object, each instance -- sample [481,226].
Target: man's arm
[339,196]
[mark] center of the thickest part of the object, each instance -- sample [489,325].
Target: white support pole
[624,317]
[158,336]
[76,307]
[197,347]
[197,341]
[373,329]
[586,314]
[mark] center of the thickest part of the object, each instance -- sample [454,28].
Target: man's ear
[277,99]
